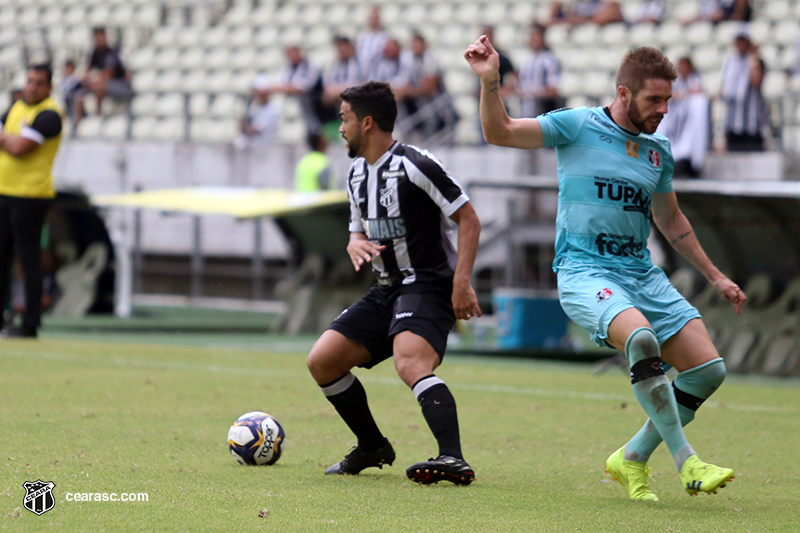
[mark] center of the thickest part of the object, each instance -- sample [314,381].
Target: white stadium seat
[170,105]
[698,33]
[198,105]
[170,129]
[142,128]
[169,80]
[89,127]
[143,104]
[669,33]
[115,127]
[614,34]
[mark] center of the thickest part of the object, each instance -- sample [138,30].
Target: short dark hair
[373,99]
[44,67]
[642,64]
[314,140]
[98,29]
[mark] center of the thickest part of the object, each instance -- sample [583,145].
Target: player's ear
[624,93]
[367,123]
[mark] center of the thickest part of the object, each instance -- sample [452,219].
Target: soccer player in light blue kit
[614,172]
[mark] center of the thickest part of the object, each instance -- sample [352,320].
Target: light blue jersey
[606,179]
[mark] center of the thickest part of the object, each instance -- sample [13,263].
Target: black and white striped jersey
[404,202]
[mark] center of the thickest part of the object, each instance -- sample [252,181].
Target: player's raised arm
[498,127]
[674,225]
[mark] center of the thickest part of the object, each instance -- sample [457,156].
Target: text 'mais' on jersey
[606,180]
[404,202]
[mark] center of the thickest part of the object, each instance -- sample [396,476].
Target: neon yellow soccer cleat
[698,476]
[630,474]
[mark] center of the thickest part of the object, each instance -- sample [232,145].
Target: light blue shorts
[592,296]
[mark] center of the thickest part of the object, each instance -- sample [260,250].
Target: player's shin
[350,400]
[439,409]
[691,388]
[653,391]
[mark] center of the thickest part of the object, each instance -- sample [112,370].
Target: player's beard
[353,146]
[642,124]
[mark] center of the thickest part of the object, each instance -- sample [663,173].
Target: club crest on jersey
[632,149]
[654,157]
[604,294]
[387,197]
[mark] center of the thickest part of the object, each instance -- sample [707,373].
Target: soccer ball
[256,439]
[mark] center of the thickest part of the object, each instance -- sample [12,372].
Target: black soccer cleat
[19,332]
[443,468]
[356,461]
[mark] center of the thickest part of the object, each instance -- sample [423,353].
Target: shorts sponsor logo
[617,190]
[407,314]
[604,294]
[381,229]
[619,246]
[38,496]
[632,149]
[654,157]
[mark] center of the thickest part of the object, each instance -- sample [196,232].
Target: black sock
[350,400]
[439,410]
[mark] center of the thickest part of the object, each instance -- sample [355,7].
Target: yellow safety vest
[29,176]
[306,174]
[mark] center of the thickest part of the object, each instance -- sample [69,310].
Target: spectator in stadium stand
[537,84]
[345,72]
[71,89]
[425,92]
[745,109]
[31,133]
[651,11]
[371,44]
[687,125]
[313,171]
[107,75]
[303,80]
[259,124]
[388,67]
[794,70]
[723,10]
[404,209]
[598,12]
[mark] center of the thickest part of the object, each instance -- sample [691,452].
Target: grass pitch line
[249,371]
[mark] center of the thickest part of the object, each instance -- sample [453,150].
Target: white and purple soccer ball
[256,439]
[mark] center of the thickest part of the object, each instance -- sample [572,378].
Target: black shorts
[425,309]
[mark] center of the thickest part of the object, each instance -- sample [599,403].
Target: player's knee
[711,376]
[642,344]
[714,374]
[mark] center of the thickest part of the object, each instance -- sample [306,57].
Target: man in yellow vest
[30,133]
[313,171]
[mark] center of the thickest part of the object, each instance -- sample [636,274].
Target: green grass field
[149,412]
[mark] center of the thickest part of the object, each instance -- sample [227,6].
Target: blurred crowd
[531,88]
[426,108]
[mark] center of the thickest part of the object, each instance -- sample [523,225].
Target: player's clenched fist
[483,58]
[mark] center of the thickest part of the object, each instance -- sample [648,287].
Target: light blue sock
[692,387]
[653,391]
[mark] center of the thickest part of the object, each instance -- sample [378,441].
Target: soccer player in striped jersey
[404,209]
[614,173]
